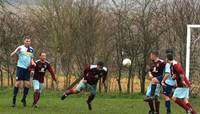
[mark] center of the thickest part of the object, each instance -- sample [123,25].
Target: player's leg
[153,86]
[15,92]
[76,90]
[40,91]
[157,104]
[25,92]
[36,87]
[19,74]
[167,91]
[190,105]
[150,103]
[26,79]
[92,89]
[179,97]
[156,100]
[155,82]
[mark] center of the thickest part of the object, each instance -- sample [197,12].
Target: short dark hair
[26,37]
[169,51]
[170,56]
[154,52]
[41,53]
[100,63]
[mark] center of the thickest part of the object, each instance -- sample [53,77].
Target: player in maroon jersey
[181,93]
[156,76]
[91,75]
[38,76]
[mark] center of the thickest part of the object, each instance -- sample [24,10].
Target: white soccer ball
[126,62]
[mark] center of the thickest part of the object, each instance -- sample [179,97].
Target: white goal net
[193,56]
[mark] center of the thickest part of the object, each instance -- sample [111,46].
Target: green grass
[50,103]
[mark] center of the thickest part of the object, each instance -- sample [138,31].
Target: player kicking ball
[92,74]
[156,76]
[38,77]
[181,93]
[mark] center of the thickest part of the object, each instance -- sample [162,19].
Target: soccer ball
[126,62]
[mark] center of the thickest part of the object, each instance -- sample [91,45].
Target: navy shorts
[167,90]
[22,74]
[159,78]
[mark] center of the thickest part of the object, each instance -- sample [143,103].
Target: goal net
[193,57]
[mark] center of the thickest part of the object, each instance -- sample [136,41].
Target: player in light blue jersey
[168,85]
[25,59]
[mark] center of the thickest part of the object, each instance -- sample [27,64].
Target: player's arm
[33,62]
[150,75]
[85,72]
[16,51]
[50,69]
[104,79]
[167,74]
[181,72]
[31,70]
[164,79]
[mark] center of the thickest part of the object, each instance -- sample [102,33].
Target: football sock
[168,105]
[25,92]
[157,104]
[36,97]
[182,103]
[153,89]
[151,106]
[15,91]
[69,92]
[90,98]
[193,110]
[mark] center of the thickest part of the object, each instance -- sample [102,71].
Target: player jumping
[25,59]
[181,93]
[92,74]
[168,85]
[156,75]
[38,78]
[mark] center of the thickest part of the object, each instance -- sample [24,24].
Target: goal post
[188,47]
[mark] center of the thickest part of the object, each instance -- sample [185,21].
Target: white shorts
[181,93]
[157,91]
[37,85]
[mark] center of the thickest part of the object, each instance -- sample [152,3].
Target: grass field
[50,103]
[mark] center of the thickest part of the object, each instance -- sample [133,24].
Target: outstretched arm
[16,51]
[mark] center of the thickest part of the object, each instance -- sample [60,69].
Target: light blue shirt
[169,80]
[25,56]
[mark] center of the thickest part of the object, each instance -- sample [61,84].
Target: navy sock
[15,91]
[25,92]
[90,98]
[167,105]
[153,89]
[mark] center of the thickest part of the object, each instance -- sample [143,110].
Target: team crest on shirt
[42,70]
[96,76]
[45,66]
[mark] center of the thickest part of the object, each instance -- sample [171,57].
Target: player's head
[154,55]
[27,41]
[168,51]
[100,65]
[169,57]
[43,56]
